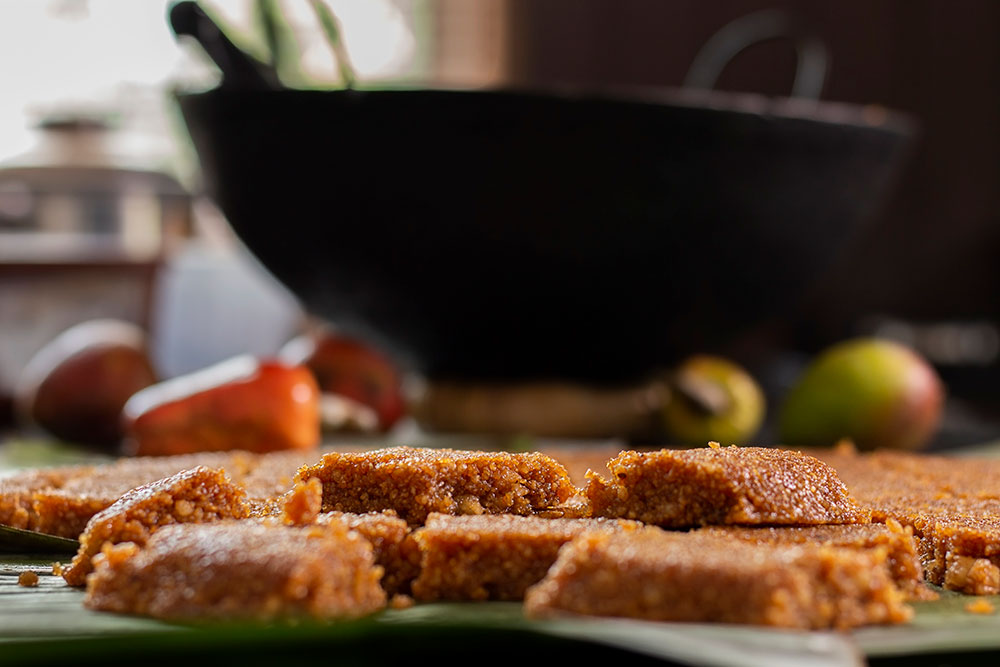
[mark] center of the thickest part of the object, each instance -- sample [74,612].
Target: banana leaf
[15,540]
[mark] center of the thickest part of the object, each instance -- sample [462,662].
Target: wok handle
[239,69]
[737,35]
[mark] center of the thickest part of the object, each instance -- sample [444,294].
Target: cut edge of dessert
[855,535]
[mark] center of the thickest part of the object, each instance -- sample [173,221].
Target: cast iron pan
[507,235]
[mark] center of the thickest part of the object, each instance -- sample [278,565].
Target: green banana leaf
[15,540]
[48,623]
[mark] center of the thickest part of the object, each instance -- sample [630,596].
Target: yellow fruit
[713,399]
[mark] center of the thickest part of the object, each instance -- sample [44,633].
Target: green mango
[878,393]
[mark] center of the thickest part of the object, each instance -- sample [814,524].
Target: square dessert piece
[239,570]
[902,558]
[65,509]
[494,557]
[303,503]
[657,575]
[60,501]
[960,545]
[721,486]
[17,493]
[951,504]
[199,495]
[415,482]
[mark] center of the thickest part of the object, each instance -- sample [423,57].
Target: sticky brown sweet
[239,570]
[17,491]
[395,549]
[951,504]
[199,495]
[60,501]
[302,505]
[657,575]
[415,482]
[980,606]
[28,579]
[389,535]
[722,486]
[902,555]
[493,557]
[64,509]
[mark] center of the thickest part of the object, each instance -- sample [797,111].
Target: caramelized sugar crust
[951,504]
[390,536]
[721,486]
[658,575]
[494,557]
[199,495]
[239,570]
[415,482]
[902,553]
[60,501]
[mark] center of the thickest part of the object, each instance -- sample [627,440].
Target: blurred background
[101,212]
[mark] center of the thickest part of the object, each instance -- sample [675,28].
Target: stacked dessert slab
[726,574]
[730,534]
[61,501]
[228,570]
[952,505]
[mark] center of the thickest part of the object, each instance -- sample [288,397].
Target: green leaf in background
[331,29]
[279,39]
[17,453]
[252,44]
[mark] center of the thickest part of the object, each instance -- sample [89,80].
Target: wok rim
[872,117]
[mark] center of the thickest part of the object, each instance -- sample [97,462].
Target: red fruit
[76,385]
[353,369]
[242,403]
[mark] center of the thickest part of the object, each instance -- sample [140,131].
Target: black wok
[503,234]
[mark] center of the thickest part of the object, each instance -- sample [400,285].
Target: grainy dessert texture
[27,579]
[395,549]
[658,575]
[17,491]
[239,570]
[390,536]
[199,495]
[415,482]
[951,504]
[495,557]
[783,538]
[902,557]
[721,486]
[66,510]
[60,501]
[303,504]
